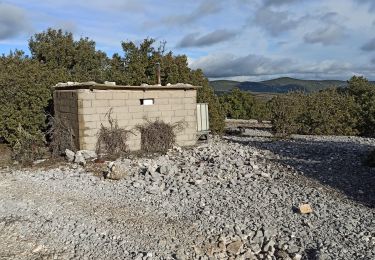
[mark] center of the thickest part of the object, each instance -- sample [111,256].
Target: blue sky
[232,39]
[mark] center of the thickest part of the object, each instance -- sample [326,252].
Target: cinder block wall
[66,110]
[169,105]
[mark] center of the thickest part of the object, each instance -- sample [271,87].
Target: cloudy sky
[233,39]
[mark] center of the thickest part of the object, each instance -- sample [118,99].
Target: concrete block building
[83,107]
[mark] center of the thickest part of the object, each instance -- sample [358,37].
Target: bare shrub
[159,136]
[28,147]
[61,136]
[112,140]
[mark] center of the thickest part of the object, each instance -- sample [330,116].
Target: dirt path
[240,193]
[38,234]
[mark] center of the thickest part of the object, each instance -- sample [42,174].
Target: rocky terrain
[233,198]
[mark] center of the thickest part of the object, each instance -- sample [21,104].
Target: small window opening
[147,101]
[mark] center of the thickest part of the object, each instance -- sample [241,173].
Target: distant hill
[279,85]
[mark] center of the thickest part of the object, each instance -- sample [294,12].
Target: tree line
[25,81]
[334,111]
[25,95]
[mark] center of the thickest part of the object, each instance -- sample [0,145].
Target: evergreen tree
[138,65]
[69,59]
[364,94]
[24,93]
[56,57]
[329,112]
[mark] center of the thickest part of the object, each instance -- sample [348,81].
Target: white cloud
[278,2]
[13,21]
[196,40]
[260,67]
[328,29]
[274,22]
[264,38]
[369,46]
[329,35]
[370,3]
[204,9]
[227,65]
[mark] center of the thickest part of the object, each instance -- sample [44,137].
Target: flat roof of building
[112,86]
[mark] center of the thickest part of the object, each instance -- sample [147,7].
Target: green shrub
[364,95]
[243,105]
[24,93]
[28,147]
[329,112]
[285,113]
[238,104]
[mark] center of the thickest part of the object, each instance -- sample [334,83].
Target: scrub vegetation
[25,81]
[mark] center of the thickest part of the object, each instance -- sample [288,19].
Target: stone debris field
[231,198]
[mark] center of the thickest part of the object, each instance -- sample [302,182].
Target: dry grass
[158,136]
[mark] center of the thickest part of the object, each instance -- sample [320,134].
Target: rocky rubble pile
[229,199]
[261,244]
[80,157]
[181,170]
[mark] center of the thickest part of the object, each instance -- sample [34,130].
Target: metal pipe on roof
[158,73]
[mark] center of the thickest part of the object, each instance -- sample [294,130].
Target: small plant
[159,136]
[27,147]
[61,137]
[112,140]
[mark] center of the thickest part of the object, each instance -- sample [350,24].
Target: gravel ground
[233,198]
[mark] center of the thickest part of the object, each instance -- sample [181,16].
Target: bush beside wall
[24,94]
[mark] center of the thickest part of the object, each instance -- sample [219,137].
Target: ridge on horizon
[276,78]
[276,85]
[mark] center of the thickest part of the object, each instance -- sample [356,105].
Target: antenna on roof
[158,73]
